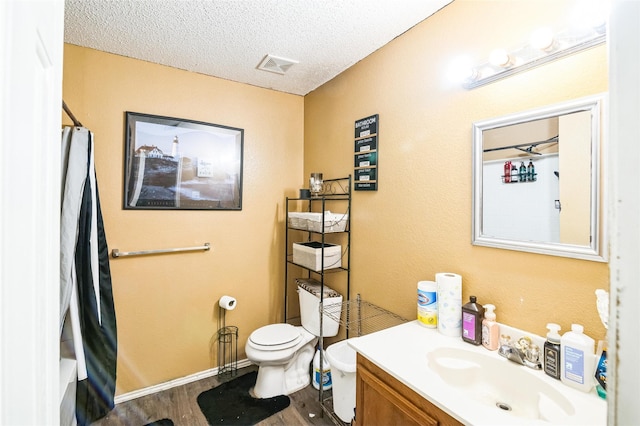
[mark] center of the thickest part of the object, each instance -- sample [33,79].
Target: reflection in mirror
[537,181]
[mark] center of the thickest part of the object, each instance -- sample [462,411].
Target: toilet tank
[309,296]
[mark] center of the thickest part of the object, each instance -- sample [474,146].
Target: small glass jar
[315,184]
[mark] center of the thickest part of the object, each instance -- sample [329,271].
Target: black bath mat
[231,404]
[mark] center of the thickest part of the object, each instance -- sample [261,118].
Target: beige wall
[419,221]
[166,304]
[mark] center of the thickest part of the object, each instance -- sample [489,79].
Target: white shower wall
[522,211]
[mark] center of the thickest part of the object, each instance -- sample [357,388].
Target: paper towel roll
[449,303]
[227,302]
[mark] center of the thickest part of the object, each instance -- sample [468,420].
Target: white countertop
[402,352]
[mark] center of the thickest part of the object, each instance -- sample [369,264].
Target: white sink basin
[497,382]
[467,381]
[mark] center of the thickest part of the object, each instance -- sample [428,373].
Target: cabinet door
[383,400]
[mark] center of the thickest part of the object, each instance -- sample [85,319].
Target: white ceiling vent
[276,64]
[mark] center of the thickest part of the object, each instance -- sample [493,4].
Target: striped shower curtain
[85,278]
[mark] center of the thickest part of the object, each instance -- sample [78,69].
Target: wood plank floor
[179,404]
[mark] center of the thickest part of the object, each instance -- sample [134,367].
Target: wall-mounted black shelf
[504,179]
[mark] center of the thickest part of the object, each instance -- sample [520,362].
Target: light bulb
[461,70]
[542,39]
[590,14]
[500,58]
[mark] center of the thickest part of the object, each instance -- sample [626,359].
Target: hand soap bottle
[472,314]
[552,360]
[577,359]
[490,328]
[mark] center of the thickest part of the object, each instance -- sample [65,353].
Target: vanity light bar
[528,57]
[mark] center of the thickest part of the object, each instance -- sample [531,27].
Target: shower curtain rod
[530,145]
[70,114]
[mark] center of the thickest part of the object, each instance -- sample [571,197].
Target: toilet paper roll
[449,304]
[227,302]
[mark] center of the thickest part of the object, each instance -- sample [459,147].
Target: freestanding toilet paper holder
[227,347]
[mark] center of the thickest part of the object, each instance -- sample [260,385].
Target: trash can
[342,359]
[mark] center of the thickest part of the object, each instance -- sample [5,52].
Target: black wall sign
[366,175]
[366,126]
[365,161]
[367,144]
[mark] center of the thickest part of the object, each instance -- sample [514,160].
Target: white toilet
[283,352]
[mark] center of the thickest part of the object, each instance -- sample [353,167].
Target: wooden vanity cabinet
[383,400]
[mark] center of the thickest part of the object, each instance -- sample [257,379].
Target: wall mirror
[537,181]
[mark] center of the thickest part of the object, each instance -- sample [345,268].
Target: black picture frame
[179,164]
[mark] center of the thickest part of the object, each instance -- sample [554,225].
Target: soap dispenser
[552,360]
[472,314]
[578,360]
[490,328]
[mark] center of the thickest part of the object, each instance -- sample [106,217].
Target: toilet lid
[275,335]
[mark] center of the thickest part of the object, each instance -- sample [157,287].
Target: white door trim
[31,47]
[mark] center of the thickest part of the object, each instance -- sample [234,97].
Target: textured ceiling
[230,38]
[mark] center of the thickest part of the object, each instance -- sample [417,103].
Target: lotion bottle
[552,359]
[490,328]
[578,360]
[472,314]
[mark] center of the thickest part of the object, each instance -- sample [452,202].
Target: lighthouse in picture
[174,150]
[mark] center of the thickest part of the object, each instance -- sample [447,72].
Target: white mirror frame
[598,249]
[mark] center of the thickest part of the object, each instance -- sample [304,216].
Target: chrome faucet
[511,353]
[523,352]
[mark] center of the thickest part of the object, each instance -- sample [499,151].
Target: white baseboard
[173,383]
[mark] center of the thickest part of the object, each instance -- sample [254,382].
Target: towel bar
[117,253]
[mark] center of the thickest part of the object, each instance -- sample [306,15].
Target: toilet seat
[275,337]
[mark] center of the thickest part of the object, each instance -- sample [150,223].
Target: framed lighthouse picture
[178,164]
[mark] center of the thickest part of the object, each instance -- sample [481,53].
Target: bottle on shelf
[523,172]
[514,173]
[507,172]
[531,172]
